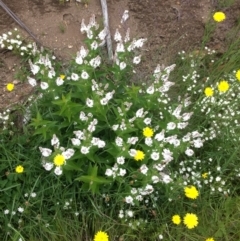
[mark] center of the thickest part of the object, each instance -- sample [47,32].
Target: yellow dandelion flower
[148,132]
[176,219]
[205,175]
[101,236]
[223,86]
[219,16]
[191,192]
[62,76]
[10,87]
[238,75]
[190,220]
[19,169]
[139,156]
[59,160]
[208,91]
[210,239]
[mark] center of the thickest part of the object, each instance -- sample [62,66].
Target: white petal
[68,153]
[32,81]
[45,151]
[44,85]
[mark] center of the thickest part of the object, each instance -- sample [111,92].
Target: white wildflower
[122,172]
[47,166]
[160,136]
[125,16]
[45,151]
[55,141]
[171,126]
[155,179]
[144,169]
[58,171]
[117,36]
[74,77]
[120,160]
[85,150]
[20,210]
[109,172]
[129,199]
[120,47]
[68,153]
[89,102]
[132,140]
[101,144]
[137,59]
[150,90]
[95,62]
[122,65]
[139,113]
[119,141]
[32,81]
[94,45]
[79,134]
[129,213]
[59,81]
[148,141]
[44,85]
[83,52]
[104,101]
[189,152]
[155,156]
[84,75]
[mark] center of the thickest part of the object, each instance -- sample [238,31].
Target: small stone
[16,82]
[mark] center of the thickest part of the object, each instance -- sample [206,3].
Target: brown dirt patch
[169,25]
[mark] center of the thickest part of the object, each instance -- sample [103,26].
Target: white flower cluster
[47,153]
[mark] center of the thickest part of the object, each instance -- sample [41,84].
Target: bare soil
[169,25]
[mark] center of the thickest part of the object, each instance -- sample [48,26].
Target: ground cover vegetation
[94,156]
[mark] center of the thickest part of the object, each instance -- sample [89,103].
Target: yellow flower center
[101,236]
[205,175]
[19,169]
[148,132]
[238,75]
[191,192]
[208,91]
[10,87]
[139,156]
[190,220]
[223,86]
[62,76]
[59,160]
[176,219]
[219,16]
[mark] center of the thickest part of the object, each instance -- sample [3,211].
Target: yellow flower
[62,76]
[210,239]
[190,220]
[10,87]
[205,175]
[101,236]
[176,219]
[223,86]
[238,75]
[208,91]
[139,155]
[219,16]
[19,169]
[148,132]
[59,160]
[191,192]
